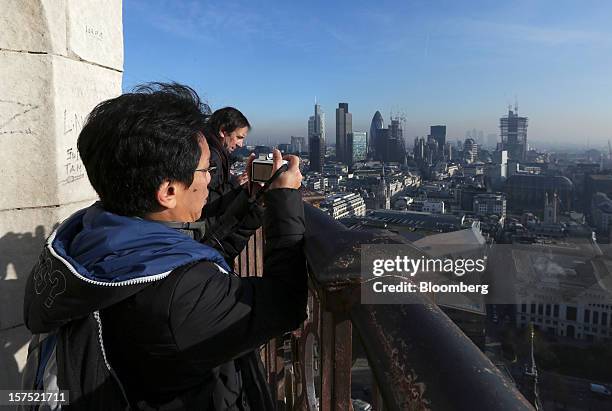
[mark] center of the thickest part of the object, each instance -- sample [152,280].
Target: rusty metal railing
[419,358]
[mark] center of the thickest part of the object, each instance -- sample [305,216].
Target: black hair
[131,144]
[226,119]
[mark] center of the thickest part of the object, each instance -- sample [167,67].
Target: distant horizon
[435,62]
[569,147]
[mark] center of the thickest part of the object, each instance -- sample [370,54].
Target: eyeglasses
[207,170]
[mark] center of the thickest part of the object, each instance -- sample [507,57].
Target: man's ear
[166,194]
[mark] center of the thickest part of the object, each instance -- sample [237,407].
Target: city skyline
[444,63]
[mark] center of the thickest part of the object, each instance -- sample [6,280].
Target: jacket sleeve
[216,316]
[231,220]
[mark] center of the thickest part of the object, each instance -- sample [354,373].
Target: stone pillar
[58,59]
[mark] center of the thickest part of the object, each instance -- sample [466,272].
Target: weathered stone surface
[75,96]
[26,130]
[13,353]
[22,235]
[33,25]
[95,32]
[43,104]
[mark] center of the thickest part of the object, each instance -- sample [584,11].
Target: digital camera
[261,168]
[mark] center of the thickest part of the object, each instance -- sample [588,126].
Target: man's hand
[292,178]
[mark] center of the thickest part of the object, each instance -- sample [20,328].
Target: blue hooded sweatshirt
[96,258]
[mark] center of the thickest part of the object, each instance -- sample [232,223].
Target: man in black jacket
[175,327]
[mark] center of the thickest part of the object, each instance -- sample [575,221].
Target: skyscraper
[298,144]
[514,134]
[396,147]
[419,149]
[470,150]
[344,127]
[373,143]
[316,139]
[357,146]
[439,134]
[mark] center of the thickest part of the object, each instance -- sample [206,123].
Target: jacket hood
[95,259]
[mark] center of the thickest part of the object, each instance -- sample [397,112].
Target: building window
[556,310]
[524,308]
[587,316]
[541,309]
[595,317]
[570,313]
[533,308]
[548,309]
[604,318]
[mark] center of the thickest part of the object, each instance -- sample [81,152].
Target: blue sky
[437,62]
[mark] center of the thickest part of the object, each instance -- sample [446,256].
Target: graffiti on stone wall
[73,167]
[12,111]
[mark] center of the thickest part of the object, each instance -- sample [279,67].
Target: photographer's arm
[228,316]
[230,231]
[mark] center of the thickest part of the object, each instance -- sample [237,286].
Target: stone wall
[58,59]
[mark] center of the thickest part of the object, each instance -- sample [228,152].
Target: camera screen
[261,172]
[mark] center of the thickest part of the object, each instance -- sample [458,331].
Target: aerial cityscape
[551,210]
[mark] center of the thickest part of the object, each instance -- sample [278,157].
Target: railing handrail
[420,358]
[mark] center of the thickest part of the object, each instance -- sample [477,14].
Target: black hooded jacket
[177,328]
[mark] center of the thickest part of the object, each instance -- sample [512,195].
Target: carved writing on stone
[93,32]
[74,169]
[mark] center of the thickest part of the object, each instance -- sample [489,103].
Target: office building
[298,144]
[527,192]
[490,203]
[357,146]
[470,150]
[344,127]
[376,125]
[344,205]
[514,135]
[316,139]
[438,133]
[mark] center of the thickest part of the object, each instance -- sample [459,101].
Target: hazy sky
[437,62]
